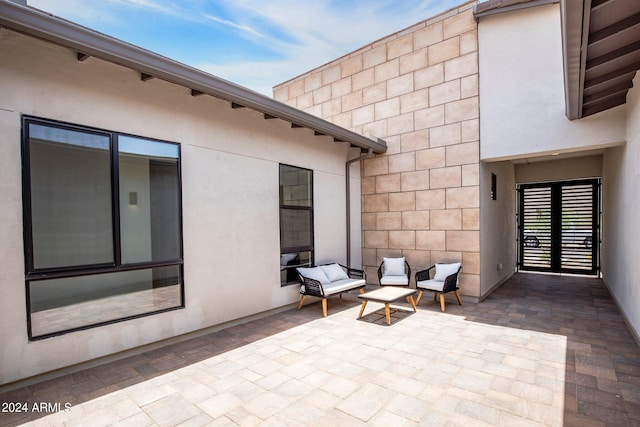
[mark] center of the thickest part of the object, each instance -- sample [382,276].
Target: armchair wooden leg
[324,307]
[419,296]
[442,302]
[301,301]
[458,297]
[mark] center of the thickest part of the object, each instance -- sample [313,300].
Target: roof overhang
[492,7]
[601,51]
[87,42]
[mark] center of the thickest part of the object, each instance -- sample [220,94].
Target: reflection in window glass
[149,200]
[296,221]
[70,174]
[69,303]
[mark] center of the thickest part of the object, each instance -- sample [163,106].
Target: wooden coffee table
[387,295]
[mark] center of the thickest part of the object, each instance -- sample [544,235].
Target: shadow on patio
[541,350]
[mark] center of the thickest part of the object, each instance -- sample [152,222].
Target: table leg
[413,304]
[387,313]
[364,304]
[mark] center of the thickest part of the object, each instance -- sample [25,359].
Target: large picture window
[103,228]
[296,221]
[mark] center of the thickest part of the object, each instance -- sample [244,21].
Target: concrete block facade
[418,90]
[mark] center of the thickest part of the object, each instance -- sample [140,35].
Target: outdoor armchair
[445,279]
[394,272]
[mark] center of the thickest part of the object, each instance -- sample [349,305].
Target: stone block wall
[418,90]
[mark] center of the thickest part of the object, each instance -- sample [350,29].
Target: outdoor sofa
[328,280]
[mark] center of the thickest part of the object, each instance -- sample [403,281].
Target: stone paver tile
[341,387]
[266,405]
[337,418]
[199,420]
[321,399]
[478,411]
[219,404]
[366,401]
[240,416]
[140,419]
[407,407]
[97,418]
[386,418]
[171,410]
[272,380]
[293,389]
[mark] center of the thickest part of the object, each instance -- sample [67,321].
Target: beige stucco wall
[621,204]
[522,90]
[418,90]
[230,161]
[497,225]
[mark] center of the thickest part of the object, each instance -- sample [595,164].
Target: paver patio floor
[540,351]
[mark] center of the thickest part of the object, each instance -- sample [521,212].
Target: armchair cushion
[394,266]
[333,272]
[431,285]
[314,273]
[394,280]
[445,270]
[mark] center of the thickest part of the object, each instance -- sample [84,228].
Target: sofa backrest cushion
[334,272]
[314,273]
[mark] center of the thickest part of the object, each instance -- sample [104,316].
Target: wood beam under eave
[614,28]
[296,126]
[316,133]
[234,105]
[196,92]
[597,3]
[613,91]
[613,55]
[82,56]
[145,77]
[604,105]
[627,69]
[269,116]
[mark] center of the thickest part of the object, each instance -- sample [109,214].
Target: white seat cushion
[341,286]
[431,285]
[394,280]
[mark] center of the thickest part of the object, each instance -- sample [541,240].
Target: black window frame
[282,207]
[34,274]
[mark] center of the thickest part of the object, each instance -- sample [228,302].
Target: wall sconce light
[133,198]
[494,186]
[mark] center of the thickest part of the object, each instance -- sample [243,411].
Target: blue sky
[254,43]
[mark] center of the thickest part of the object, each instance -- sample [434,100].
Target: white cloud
[302,34]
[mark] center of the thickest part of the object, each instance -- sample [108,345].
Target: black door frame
[556,226]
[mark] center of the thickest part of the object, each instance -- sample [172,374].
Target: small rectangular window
[296,221]
[103,230]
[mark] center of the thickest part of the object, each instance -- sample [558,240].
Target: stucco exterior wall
[497,225]
[417,89]
[621,204]
[522,90]
[230,178]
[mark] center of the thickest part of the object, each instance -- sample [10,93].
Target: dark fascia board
[574,55]
[492,7]
[44,26]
